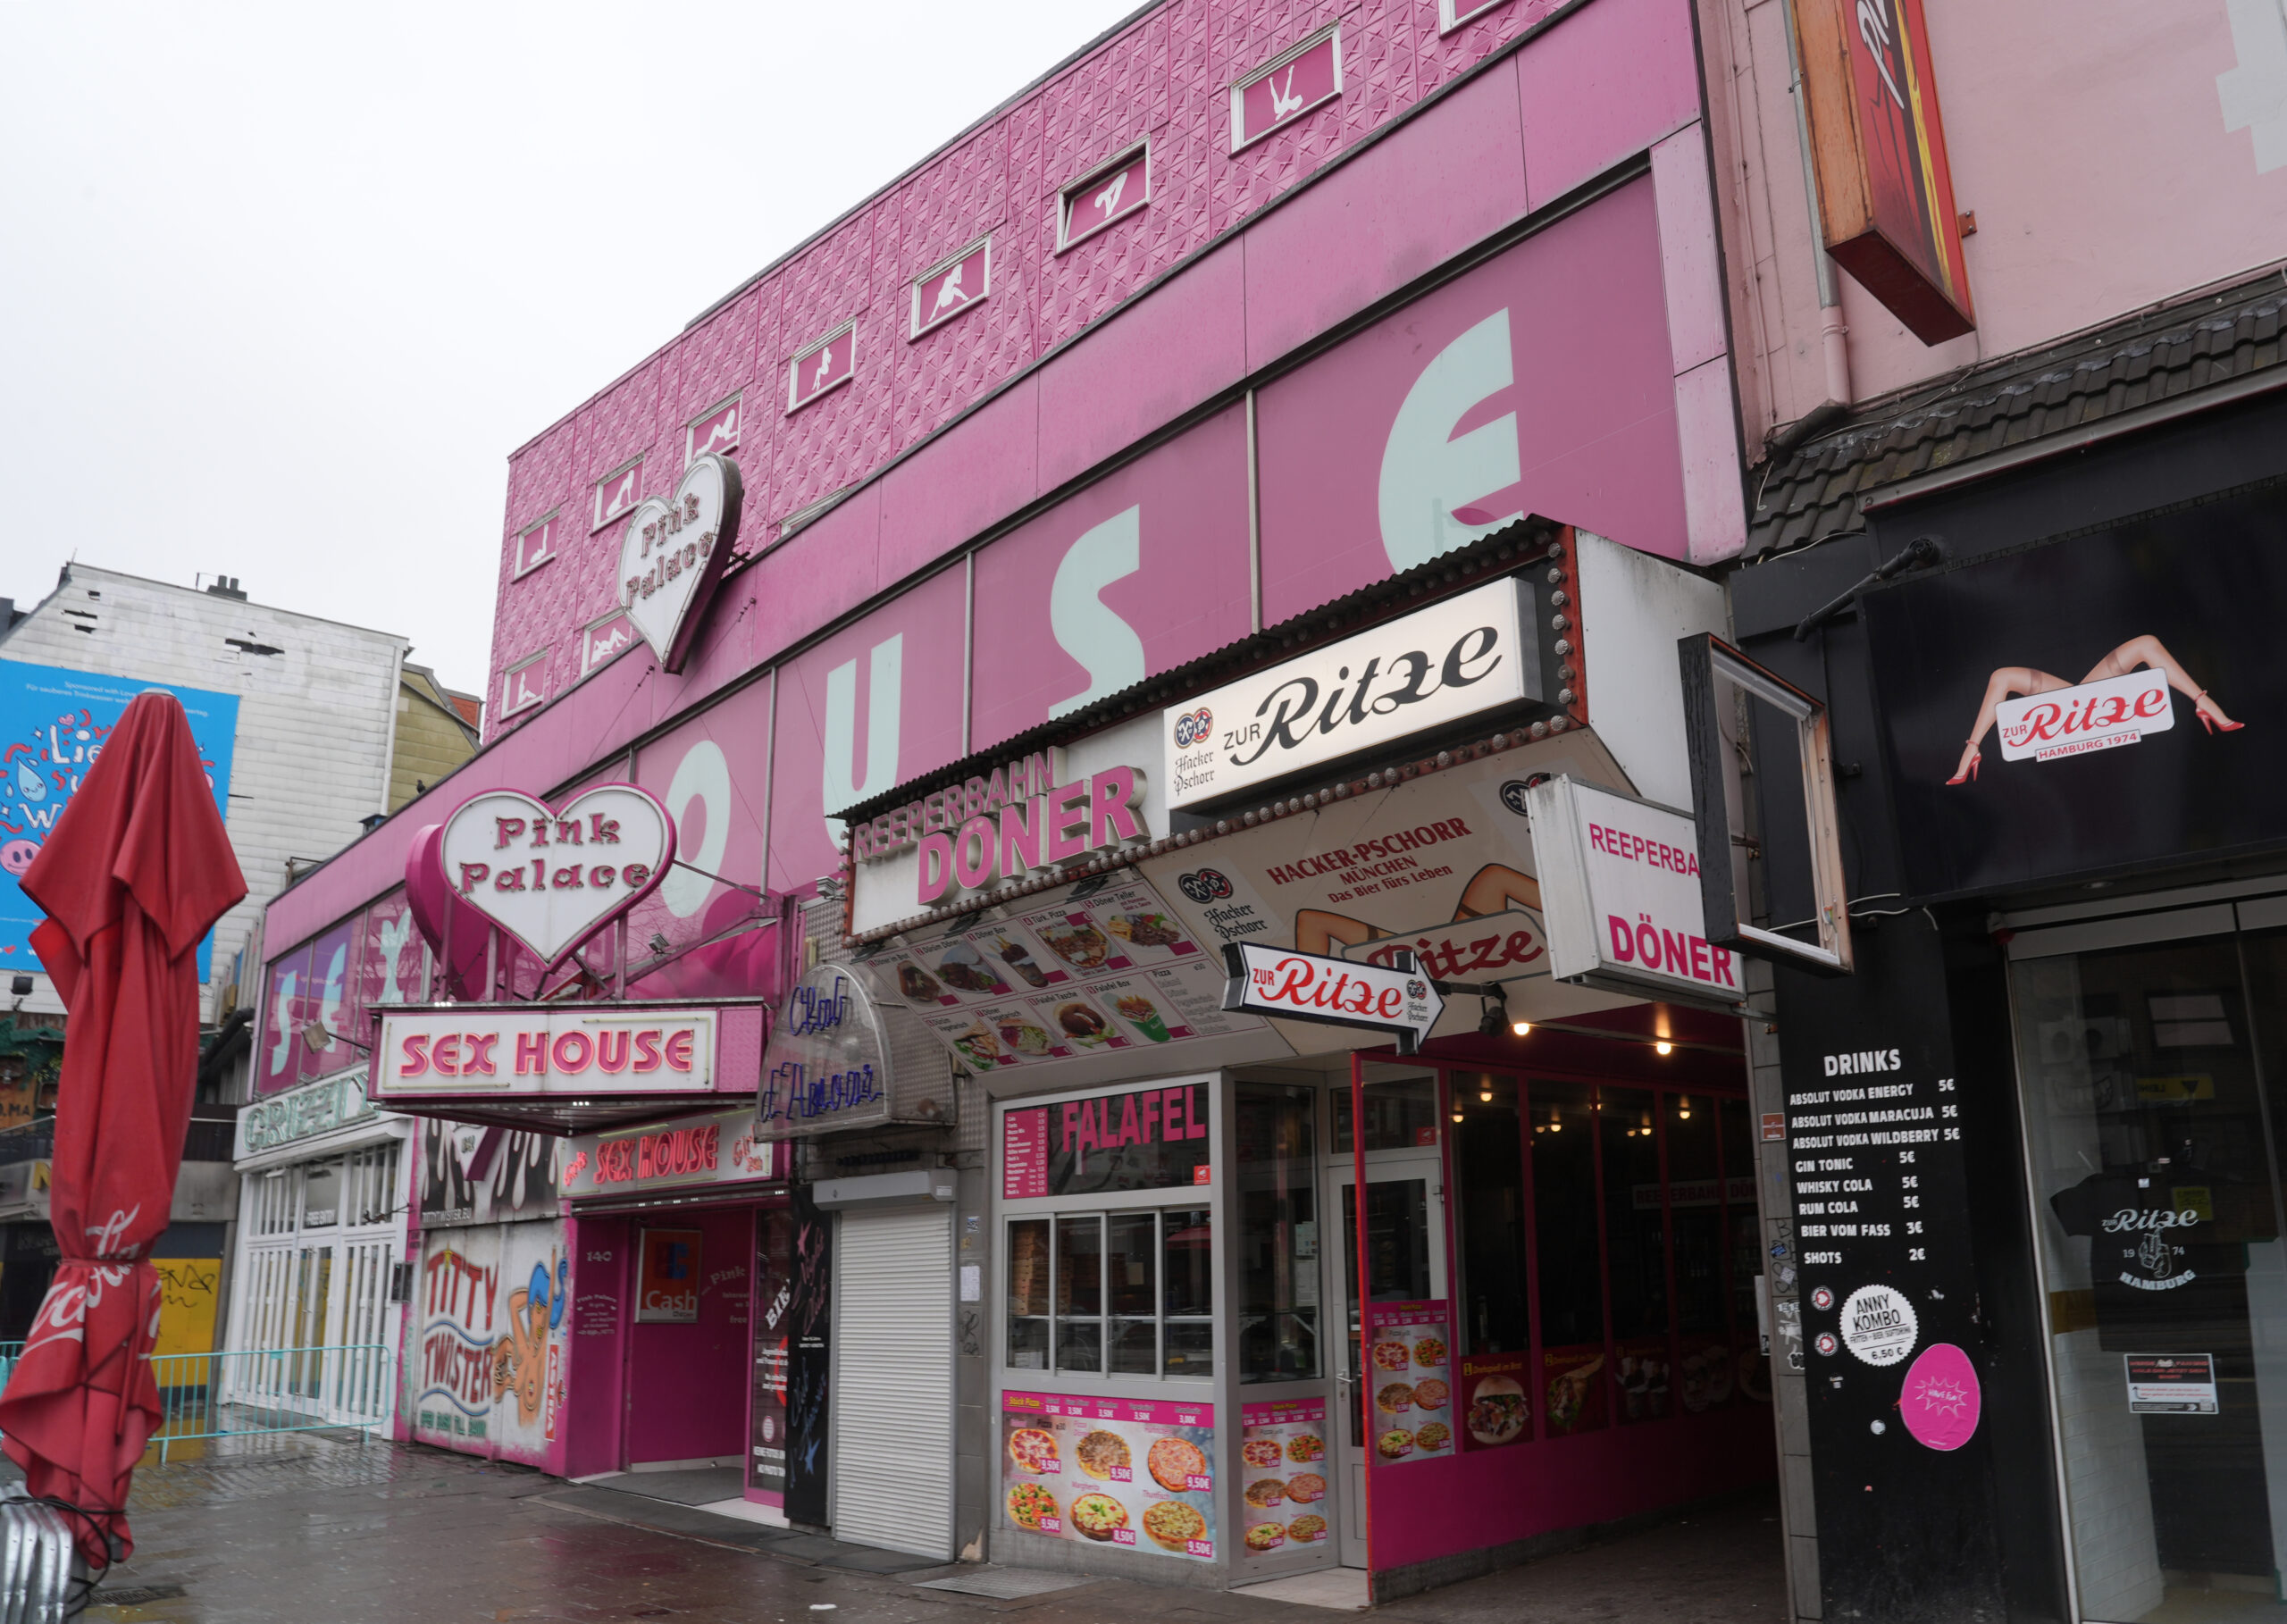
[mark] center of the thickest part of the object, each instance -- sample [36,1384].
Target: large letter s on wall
[1426,472]
[885,676]
[1090,633]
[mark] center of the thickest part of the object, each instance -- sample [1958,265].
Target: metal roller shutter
[892,1420]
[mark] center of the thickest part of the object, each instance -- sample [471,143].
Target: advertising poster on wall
[774,1302]
[1494,1408]
[1282,1473]
[53,725]
[475,1174]
[1110,1471]
[1573,1379]
[489,1377]
[1103,966]
[1408,1373]
[810,1361]
[1643,1377]
[666,1277]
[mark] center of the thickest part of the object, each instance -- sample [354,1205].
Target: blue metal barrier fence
[247,1391]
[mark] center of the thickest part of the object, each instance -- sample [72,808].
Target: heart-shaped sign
[552,878]
[432,903]
[674,551]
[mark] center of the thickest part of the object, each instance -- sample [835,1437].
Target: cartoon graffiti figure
[520,1359]
[16,856]
[30,784]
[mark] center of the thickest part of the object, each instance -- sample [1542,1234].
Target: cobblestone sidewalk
[315,1527]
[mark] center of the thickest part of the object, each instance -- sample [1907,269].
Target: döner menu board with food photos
[1407,1377]
[1101,965]
[1130,1472]
[1495,1408]
[1282,1473]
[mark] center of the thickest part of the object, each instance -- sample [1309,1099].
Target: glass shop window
[1112,1293]
[1277,1193]
[1489,1214]
[1737,1135]
[1570,1267]
[1696,1209]
[1636,1244]
[1400,1114]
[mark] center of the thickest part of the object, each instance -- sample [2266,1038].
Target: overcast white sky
[283,286]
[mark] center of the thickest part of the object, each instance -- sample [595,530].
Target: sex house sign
[1893,1347]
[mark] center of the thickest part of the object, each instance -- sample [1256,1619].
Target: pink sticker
[1941,1399]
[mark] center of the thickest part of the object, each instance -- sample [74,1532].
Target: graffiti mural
[473,1174]
[488,1370]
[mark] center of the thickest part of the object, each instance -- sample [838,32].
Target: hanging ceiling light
[1485,1089]
[1663,1047]
[1683,1108]
[1520,1027]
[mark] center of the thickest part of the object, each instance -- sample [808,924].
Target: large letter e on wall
[1428,471]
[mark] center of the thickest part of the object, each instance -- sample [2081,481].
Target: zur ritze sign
[1397,998]
[579,1049]
[1469,654]
[1620,888]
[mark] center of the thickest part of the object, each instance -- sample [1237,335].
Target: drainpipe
[1834,337]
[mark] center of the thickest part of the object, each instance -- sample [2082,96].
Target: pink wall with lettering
[875,704]
[1140,573]
[1540,383]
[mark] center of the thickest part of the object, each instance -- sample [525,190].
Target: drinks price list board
[1875,1152]
[1128,1472]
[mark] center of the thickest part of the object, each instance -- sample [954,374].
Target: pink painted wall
[1620,75]
[2115,155]
[1612,81]
[1138,573]
[1540,383]
[1473,1500]
[596,1347]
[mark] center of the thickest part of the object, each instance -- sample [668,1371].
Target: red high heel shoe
[2213,724]
[1976,757]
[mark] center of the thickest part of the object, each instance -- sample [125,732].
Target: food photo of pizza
[1099,1453]
[1429,1352]
[1309,1527]
[1265,1536]
[1098,1516]
[1033,1450]
[1267,1492]
[1260,1452]
[1304,1487]
[1433,1434]
[1028,1503]
[1306,1446]
[1431,1394]
[1394,1444]
[1173,1524]
[1391,1356]
[1174,1462]
[1393,1397]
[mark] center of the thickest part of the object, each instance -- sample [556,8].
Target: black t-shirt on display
[2158,1252]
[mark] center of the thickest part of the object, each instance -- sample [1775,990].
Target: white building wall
[314,719]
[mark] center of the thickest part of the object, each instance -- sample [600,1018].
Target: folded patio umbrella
[136,872]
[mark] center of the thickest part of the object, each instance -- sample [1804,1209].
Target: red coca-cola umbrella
[136,871]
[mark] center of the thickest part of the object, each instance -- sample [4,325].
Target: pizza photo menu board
[1130,1472]
[1409,1377]
[1282,1473]
[1100,967]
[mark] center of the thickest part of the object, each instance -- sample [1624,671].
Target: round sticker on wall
[1878,1326]
[1826,1342]
[1822,1298]
[1940,1400]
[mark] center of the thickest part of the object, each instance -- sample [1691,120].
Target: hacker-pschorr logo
[1204,885]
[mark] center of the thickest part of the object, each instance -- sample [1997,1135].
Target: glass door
[1405,1257]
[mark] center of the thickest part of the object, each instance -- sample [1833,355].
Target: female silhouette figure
[2016,681]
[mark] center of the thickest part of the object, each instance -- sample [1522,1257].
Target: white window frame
[1450,16]
[602,517]
[794,367]
[522,567]
[508,709]
[916,327]
[1240,140]
[1122,159]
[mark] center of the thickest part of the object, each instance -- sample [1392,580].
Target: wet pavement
[321,1528]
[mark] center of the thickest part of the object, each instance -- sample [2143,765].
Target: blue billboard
[53,725]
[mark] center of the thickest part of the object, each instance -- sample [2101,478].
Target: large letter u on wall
[885,681]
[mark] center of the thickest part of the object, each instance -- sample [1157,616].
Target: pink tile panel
[713,360]
[1607,82]
[1446,59]
[842,436]
[623,420]
[960,484]
[953,365]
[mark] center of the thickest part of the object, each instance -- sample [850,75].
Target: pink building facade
[1239,315]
